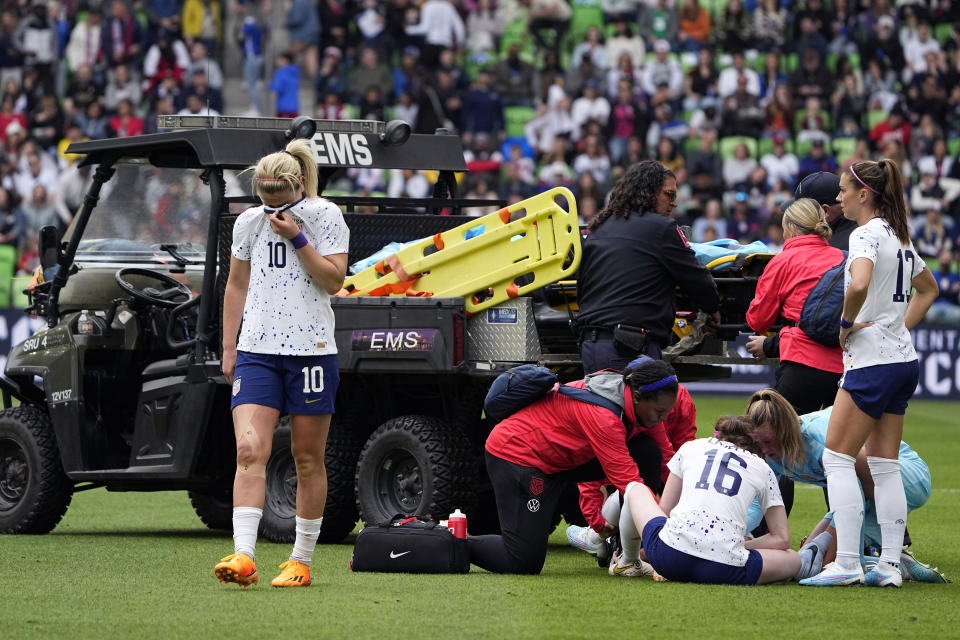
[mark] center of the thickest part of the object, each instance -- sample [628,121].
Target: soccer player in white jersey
[696,533]
[880,369]
[288,257]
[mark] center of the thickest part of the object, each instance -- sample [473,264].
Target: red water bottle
[457,524]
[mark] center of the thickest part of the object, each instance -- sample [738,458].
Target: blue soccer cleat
[833,575]
[878,577]
[913,569]
[583,538]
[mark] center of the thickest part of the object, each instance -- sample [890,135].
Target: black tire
[215,511]
[34,490]
[279,523]
[416,465]
[340,513]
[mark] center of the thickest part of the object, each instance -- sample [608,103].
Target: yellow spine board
[539,240]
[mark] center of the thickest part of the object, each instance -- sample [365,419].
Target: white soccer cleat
[833,575]
[637,569]
[913,569]
[887,577]
[585,539]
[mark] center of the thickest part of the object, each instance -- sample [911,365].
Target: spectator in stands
[586,186]
[440,103]
[406,183]
[780,112]
[706,159]
[121,36]
[45,124]
[662,70]
[594,47]
[668,155]
[406,109]
[371,23]
[742,114]
[286,84]
[666,124]
[40,212]
[371,72]
[200,60]
[484,27]
[551,73]
[202,22]
[303,25]
[848,101]
[168,54]
[441,27]
[209,96]
[94,123]
[331,107]
[658,21]
[624,71]
[812,78]
[481,191]
[932,235]
[712,218]
[126,123]
[809,37]
[693,26]
[938,162]
[553,121]
[771,77]
[817,160]
[627,120]
[624,40]
[733,30]
[448,62]
[946,308]
[332,76]
[13,222]
[35,173]
[482,107]
[554,170]
[701,81]
[335,16]
[82,90]
[780,164]
[83,48]
[590,107]
[729,79]
[516,181]
[122,87]
[915,52]
[8,114]
[774,237]
[923,137]
[769,26]
[706,116]
[39,42]
[11,46]
[250,36]
[71,187]
[883,42]
[880,85]
[548,21]
[895,127]
[824,187]
[737,170]
[169,92]
[928,97]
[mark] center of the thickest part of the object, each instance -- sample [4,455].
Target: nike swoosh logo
[312,401]
[397,555]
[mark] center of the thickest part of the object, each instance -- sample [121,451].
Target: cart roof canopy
[235,142]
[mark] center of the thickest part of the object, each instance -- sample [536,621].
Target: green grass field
[139,565]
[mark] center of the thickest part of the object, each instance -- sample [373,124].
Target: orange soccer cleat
[238,568]
[294,574]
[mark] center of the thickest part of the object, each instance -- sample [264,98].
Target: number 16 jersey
[287,312]
[895,266]
[720,481]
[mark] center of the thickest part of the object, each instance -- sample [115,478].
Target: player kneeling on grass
[696,533]
[793,446]
[288,257]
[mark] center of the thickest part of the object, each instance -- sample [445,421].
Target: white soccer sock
[307,533]
[246,521]
[630,538]
[891,504]
[846,501]
[611,508]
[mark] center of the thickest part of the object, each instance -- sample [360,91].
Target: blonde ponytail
[287,170]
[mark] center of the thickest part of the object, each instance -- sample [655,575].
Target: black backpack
[820,316]
[520,386]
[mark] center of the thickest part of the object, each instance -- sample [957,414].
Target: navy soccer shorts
[298,385]
[682,567]
[882,388]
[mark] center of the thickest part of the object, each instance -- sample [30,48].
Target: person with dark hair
[532,455]
[697,531]
[881,370]
[633,259]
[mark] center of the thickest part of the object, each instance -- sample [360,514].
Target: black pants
[527,499]
[598,352]
[807,389]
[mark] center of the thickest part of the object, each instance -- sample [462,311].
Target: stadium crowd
[741,99]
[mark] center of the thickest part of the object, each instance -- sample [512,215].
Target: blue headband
[659,384]
[639,361]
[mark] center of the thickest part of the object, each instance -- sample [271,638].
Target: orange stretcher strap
[394,264]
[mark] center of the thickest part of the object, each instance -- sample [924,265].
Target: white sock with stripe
[246,521]
[891,505]
[846,501]
[307,533]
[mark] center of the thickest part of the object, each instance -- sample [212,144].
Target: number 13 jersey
[286,311]
[720,481]
[887,341]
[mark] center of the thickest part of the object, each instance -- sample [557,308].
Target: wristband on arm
[844,323]
[299,241]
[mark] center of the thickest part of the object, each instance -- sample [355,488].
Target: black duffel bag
[407,544]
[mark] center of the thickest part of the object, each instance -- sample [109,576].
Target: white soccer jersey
[894,268]
[720,481]
[286,311]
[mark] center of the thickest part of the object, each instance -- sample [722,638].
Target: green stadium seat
[18,299]
[692,144]
[844,147]
[803,148]
[351,112]
[728,144]
[585,15]
[875,117]
[801,114]
[953,146]
[788,62]
[8,260]
[943,32]
[765,146]
[515,118]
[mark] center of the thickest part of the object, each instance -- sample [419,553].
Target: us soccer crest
[536,485]
[236,386]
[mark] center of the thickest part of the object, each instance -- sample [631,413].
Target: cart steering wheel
[166,297]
